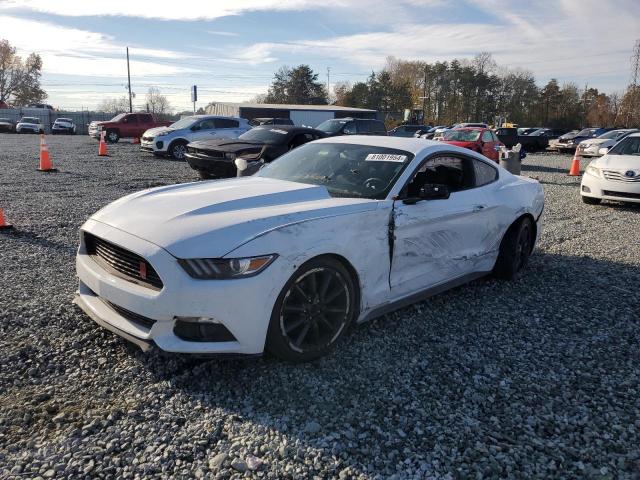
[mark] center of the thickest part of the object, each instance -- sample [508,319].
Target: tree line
[462,90]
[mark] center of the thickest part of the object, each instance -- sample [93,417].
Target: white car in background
[172,140]
[63,126]
[614,176]
[29,125]
[591,146]
[337,231]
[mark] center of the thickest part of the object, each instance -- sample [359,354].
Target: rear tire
[591,200]
[313,311]
[515,249]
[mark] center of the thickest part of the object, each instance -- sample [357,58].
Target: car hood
[152,132]
[595,141]
[210,219]
[618,162]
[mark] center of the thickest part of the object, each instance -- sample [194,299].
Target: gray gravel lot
[535,378]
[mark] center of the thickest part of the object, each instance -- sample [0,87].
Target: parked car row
[34,125]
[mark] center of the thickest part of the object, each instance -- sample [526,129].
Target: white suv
[172,140]
[29,125]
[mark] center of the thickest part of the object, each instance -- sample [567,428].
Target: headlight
[161,134]
[230,156]
[223,268]
[595,171]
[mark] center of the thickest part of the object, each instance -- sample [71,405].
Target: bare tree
[157,103]
[20,79]
[114,105]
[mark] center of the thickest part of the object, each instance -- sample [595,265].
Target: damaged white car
[337,231]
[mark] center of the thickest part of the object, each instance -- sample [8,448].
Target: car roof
[409,144]
[471,128]
[64,119]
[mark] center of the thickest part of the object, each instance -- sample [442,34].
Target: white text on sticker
[385,157]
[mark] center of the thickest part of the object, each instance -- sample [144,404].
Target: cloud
[81,52]
[221,33]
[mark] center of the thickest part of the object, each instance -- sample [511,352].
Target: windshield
[537,133]
[332,126]
[462,135]
[626,146]
[118,117]
[62,120]
[347,170]
[183,123]
[270,136]
[613,134]
[586,132]
[29,120]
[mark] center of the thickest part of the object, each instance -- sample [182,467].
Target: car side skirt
[421,295]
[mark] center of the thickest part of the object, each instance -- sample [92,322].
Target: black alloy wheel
[313,311]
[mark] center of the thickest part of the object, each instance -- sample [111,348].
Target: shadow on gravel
[496,364]
[541,168]
[38,241]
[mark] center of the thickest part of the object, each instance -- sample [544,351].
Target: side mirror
[603,151]
[429,191]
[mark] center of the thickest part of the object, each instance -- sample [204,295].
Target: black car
[352,126]
[216,158]
[7,125]
[534,141]
[568,143]
[408,130]
[270,121]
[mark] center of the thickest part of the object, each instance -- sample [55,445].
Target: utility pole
[328,82]
[424,95]
[129,83]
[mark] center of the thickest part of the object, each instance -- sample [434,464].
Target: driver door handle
[477,208]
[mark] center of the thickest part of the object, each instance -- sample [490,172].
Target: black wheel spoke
[313,285]
[334,310]
[326,281]
[334,294]
[294,308]
[297,288]
[326,321]
[302,335]
[295,324]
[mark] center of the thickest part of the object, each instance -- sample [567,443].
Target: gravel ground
[536,378]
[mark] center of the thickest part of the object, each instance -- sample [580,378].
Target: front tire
[591,200]
[515,249]
[313,311]
[177,150]
[112,136]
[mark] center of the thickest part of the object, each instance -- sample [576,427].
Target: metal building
[307,115]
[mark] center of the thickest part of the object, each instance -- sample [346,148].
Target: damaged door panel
[439,240]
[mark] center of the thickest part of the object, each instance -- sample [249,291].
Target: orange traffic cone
[3,223]
[574,171]
[45,161]
[102,149]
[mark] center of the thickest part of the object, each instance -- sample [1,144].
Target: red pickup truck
[125,125]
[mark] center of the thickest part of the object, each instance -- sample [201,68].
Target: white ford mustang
[337,231]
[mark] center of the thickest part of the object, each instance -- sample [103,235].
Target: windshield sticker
[281,132]
[385,157]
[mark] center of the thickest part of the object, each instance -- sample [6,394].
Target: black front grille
[610,193]
[206,153]
[131,316]
[122,262]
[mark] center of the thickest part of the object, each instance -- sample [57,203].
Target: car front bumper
[620,191]
[221,167]
[154,145]
[591,151]
[243,306]
[25,129]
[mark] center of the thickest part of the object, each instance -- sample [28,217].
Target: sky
[231,49]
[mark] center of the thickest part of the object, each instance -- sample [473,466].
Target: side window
[364,127]
[484,173]
[378,127]
[350,128]
[209,124]
[226,123]
[486,136]
[300,139]
[145,118]
[494,136]
[457,173]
